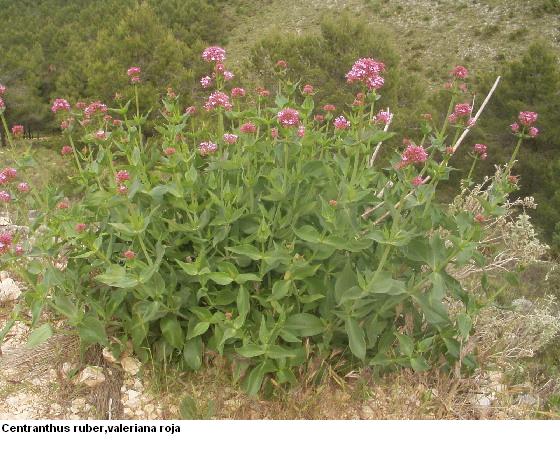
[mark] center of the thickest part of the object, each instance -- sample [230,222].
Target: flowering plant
[251,229]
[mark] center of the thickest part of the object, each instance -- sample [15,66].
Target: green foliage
[266,251]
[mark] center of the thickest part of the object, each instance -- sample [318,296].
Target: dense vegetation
[79,49]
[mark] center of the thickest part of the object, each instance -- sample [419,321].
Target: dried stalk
[466,131]
[378,147]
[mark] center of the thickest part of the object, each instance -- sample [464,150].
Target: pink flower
[17,130]
[2,106]
[533,132]
[228,75]
[11,173]
[129,254]
[261,91]
[5,196]
[169,151]
[3,178]
[66,150]
[65,124]
[462,109]
[133,71]
[18,250]
[452,118]
[122,189]
[80,105]
[248,127]
[95,107]
[367,71]
[527,118]
[481,150]
[100,135]
[80,227]
[301,131]
[238,92]
[219,68]
[214,54]
[514,127]
[319,118]
[471,122]
[191,110]
[414,154]
[122,176]
[308,89]
[60,104]
[135,79]
[460,72]
[329,108]
[383,117]
[23,187]
[5,241]
[218,99]
[206,82]
[64,204]
[117,122]
[341,123]
[207,148]
[288,117]
[274,132]
[230,138]
[281,64]
[2,89]
[418,181]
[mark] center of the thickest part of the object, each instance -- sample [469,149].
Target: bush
[252,231]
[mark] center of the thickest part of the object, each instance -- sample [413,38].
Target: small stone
[130,365]
[91,376]
[9,291]
[108,356]
[483,401]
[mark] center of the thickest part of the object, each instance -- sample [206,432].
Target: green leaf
[250,350]
[406,344]
[92,331]
[304,325]
[243,302]
[279,352]
[39,335]
[464,323]
[246,250]
[116,276]
[280,289]
[356,338]
[419,364]
[63,305]
[345,280]
[308,234]
[199,328]
[382,282]
[172,331]
[220,278]
[192,353]
[245,277]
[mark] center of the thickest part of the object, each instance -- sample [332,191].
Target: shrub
[255,231]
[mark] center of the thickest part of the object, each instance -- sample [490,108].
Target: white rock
[9,291]
[528,399]
[130,365]
[91,376]
[483,401]
[108,355]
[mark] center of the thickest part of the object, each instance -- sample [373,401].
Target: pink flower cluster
[288,117]
[526,119]
[122,176]
[206,82]
[419,181]
[383,117]
[66,150]
[341,123]
[414,154]
[134,74]
[60,104]
[5,242]
[368,71]
[248,127]
[460,72]
[214,53]
[95,107]
[2,89]
[230,138]
[238,92]
[308,89]
[218,99]
[207,148]
[481,150]
[17,130]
